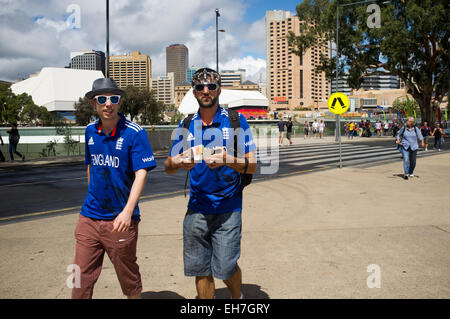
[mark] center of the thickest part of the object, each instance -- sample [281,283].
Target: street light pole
[217,39]
[338,117]
[107,38]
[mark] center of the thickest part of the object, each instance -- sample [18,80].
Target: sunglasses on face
[101,99]
[210,86]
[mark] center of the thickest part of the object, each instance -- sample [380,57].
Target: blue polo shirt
[113,159]
[214,191]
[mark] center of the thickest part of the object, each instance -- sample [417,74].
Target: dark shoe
[405,176]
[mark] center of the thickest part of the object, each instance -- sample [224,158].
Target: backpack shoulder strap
[187,121]
[235,123]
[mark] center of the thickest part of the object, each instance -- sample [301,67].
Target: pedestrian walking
[361,128]
[378,128]
[437,133]
[118,156]
[2,158]
[351,127]
[289,130]
[407,144]
[386,129]
[306,130]
[281,124]
[315,127]
[426,133]
[321,128]
[212,226]
[14,138]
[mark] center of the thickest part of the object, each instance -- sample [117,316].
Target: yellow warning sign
[338,103]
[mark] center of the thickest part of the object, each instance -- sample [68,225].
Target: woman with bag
[437,133]
[408,146]
[14,138]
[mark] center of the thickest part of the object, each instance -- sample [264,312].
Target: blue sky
[257,8]
[148,26]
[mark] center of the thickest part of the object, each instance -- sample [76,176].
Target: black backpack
[233,116]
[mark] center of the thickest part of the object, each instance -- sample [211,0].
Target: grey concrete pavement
[304,236]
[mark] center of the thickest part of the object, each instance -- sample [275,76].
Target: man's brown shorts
[94,237]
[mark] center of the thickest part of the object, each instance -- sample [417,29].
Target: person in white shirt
[378,128]
[315,127]
[321,128]
[386,128]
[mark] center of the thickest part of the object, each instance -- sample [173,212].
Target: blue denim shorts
[211,244]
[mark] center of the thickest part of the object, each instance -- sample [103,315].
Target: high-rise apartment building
[87,60]
[370,82]
[131,69]
[228,77]
[177,61]
[164,89]
[292,81]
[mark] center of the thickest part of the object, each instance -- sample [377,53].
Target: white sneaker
[411,175]
[240,297]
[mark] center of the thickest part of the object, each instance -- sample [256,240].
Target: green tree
[84,111]
[153,111]
[133,102]
[139,102]
[412,43]
[176,118]
[32,114]
[10,106]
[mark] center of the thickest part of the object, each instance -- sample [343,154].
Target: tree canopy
[412,42]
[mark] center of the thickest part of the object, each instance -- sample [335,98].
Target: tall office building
[292,80]
[131,69]
[164,89]
[177,61]
[229,77]
[87,60]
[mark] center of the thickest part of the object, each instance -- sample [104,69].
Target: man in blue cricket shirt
[118,157]
[212,225]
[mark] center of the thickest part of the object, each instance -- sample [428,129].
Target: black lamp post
[217,39]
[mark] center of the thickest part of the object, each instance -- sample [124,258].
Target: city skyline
[148,26]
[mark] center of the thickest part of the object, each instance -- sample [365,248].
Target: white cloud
[36,33]
[255,67]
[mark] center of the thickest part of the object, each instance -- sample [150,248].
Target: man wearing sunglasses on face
[118,157]
[212,226]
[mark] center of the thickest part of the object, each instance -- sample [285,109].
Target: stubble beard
[209,105]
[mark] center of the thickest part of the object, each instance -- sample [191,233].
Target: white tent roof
[57,88]
[231,98]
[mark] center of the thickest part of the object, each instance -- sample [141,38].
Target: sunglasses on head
[101,99]
[210,86]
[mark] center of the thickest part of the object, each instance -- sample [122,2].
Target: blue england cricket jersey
[113,159]
[215,191]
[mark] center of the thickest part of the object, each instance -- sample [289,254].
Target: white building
[230,76]
[57,88]
[164,88]
[247,102]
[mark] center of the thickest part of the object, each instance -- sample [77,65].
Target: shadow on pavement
[250,292]
[165,294]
